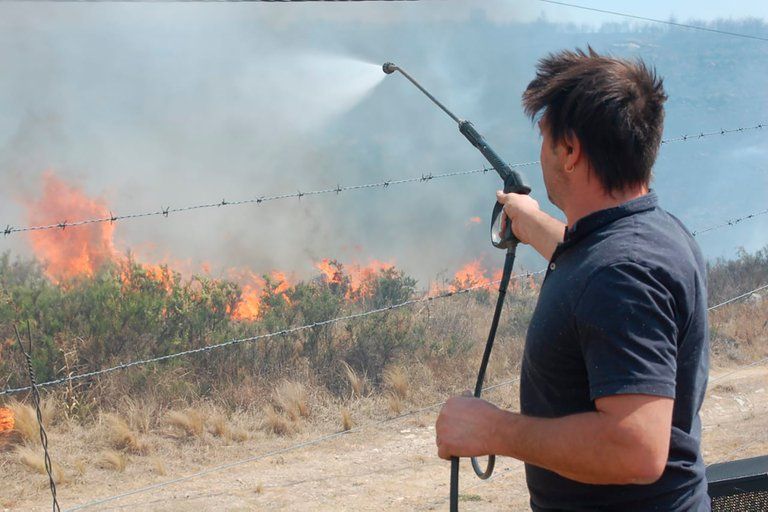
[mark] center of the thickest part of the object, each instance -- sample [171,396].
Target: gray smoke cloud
[153,105]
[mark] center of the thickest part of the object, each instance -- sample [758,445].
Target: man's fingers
[501,196]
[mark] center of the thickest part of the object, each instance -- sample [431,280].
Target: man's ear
[572,151]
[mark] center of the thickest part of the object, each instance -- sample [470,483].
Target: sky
[151,105]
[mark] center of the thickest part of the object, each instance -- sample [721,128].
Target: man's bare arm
[625,441]
[531,225]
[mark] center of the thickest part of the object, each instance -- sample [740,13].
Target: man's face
[552,165]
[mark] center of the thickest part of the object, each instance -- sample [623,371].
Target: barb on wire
[655,20]
[284,332]
[701,135]
[425,177]
[312,442]
[729,222]
[36,401]
[335,435]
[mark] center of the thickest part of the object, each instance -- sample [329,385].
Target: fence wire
[292,330]
[655,20]
[167,210]
[284,332]
[280,451]
[730,222]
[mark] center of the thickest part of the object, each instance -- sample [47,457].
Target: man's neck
[592,200]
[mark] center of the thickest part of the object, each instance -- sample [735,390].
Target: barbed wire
[352,430]
[280,451]
[722,131]
[166,211]
[284,332]
[729,222]
[655,20]
[738,297]
[292,330]
[38,414]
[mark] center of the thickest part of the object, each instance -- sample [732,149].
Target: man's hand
[518,208]
[531,225]
[464,427]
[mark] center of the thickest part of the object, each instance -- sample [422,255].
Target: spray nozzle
[389,68]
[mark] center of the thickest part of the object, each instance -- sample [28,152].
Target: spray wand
[501,237]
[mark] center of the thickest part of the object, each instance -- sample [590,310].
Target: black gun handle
[507,238]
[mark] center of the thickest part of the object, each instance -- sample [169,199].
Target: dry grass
[394,403]
[397,382]
[191,422]
[239,435]
[358,384]
[141,414]
[112,460]
[25,422]
[158,466]
[293,399]
[120,436]
[34,459]
[746,324]
[49,410]
[276,423]
[346,419]
[218,426]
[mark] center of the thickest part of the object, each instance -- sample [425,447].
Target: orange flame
[330,270]
[474,220]
[6,419]
[255,287]
[80,251]
[471,274]
[359,276]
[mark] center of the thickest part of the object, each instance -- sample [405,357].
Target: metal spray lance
[501,237]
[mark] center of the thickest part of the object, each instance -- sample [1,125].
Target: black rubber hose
[509,262]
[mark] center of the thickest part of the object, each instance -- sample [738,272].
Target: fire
[68,253]
[330,271]
[6,419]
[75,252]
[474,274]
[471,274]
[255,287]
[358,276]
[474,220]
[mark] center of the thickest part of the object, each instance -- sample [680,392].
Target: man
[615,363]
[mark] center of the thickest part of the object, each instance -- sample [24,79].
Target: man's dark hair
[615,107]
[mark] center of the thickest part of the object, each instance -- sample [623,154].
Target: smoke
[154,105]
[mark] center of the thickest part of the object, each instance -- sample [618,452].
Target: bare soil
[385,466]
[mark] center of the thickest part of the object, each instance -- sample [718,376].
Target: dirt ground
[388,465]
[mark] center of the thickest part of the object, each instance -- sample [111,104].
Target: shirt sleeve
[626,327]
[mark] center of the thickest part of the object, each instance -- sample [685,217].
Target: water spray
[513,181]
[502,237]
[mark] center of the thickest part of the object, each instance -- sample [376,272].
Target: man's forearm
[542,231]
[583,447]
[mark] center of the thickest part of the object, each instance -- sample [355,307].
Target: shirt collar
[602,218]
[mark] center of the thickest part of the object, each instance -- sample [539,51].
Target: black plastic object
[513,182]
[501,238]
[739,486]
[509,262]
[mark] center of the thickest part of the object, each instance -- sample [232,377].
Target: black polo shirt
[622,310]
